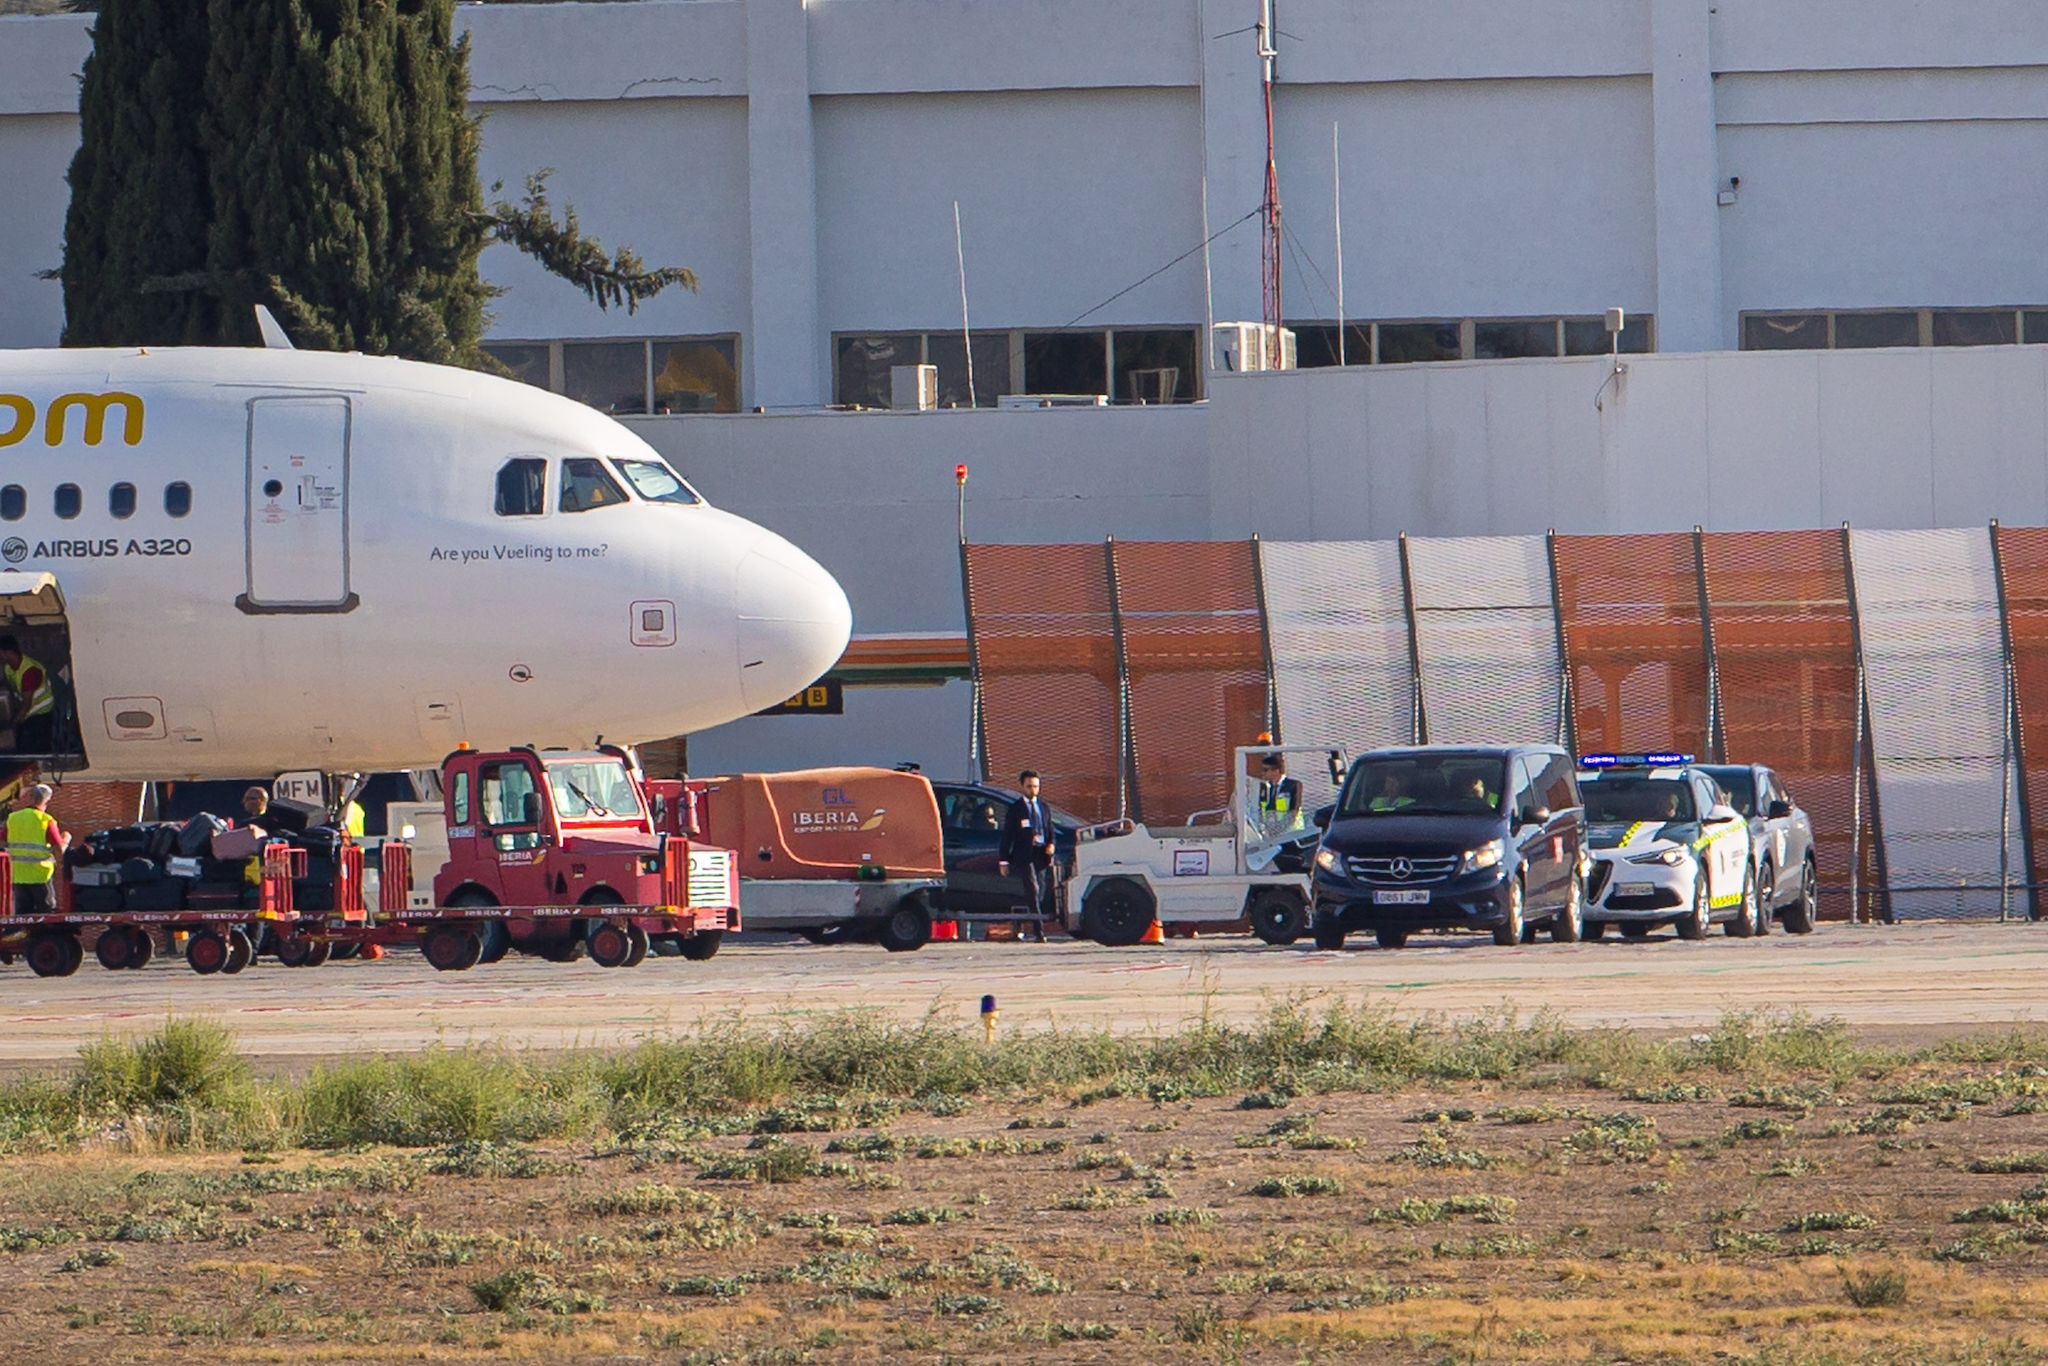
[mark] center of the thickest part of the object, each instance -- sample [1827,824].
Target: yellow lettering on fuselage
[96,407]
[18,418]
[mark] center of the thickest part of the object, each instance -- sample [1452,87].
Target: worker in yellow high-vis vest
[35,844]
[35,701]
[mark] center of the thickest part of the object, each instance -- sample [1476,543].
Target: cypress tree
[140,198]
[326,165]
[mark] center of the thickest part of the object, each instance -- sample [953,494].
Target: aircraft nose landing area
[794,622]
[1912,979]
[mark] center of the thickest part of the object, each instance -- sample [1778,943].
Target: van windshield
[596,790]
[1615,799]
[1426,785]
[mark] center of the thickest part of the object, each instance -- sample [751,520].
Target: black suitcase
[163,841]
[130,841]
[135,871]
[165,894]
[195,837]
[321,842]
[95,900]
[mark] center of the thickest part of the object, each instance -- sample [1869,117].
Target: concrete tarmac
[1900,981]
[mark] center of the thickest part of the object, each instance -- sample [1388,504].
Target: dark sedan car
[971,815]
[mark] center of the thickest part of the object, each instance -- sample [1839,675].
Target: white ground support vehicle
[1247,863]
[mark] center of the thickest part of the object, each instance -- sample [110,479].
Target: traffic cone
[945,931]
[1155,933]
[372,952]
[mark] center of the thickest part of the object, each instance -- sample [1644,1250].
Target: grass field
[1327,1185]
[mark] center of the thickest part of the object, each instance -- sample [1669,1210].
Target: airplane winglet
[273,332]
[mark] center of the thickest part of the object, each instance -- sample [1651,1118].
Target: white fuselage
[345,595]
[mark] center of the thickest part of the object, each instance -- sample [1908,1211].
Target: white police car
[1667,848]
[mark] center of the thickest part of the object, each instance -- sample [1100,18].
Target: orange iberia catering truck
[833,854]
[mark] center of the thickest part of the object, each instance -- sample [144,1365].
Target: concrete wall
[1541,157]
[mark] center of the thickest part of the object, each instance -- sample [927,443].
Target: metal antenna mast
[1270,210]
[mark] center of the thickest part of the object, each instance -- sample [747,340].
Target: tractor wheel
[1278,915]
[453,947]
[1117,911]
[702,945]
[53,953]
[206,952]
[610,946]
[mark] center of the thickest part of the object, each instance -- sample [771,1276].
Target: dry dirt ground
[1898,1221]
[1905,979]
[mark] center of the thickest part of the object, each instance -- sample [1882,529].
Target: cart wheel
[497,940]
[702,945]
[1278,915]
[53,953]
[452,948]
[907,928]
[206,952]
[319,953]
[145,949]
[610,945]
[116,948]
[293,952]
[241,951]
[641,943]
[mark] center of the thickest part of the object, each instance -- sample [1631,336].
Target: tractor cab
[533,827]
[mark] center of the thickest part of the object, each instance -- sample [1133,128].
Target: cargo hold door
[297,506]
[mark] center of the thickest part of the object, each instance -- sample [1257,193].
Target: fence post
[1567,711]
[977,736]
[1129,801]
[1864,740]
[1418,713]
[1717,730]
[2015,747]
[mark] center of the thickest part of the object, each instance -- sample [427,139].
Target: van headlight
[1670,858]
[1328,861]
[1487,855]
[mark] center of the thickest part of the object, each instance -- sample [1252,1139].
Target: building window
[178,498]
[1404,342]
[69,501]
[631,378]
[1317,345]
[1147,364]
[1843,330]
[1589,336]
[121,501]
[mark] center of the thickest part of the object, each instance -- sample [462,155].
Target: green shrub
[1874,1289]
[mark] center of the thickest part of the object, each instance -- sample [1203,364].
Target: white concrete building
[1793,176]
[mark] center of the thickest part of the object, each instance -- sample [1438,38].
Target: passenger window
[522,488]
[1525,788]
[511,799]
[121,501]
[1559,784]
[461,802]
[69,501]
[585,485]
[13,502]
[178,498]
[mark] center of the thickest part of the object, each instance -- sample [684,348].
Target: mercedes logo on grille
[1401,867]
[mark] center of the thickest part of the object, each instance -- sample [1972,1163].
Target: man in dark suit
[1028,847]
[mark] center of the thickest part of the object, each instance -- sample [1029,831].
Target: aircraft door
[297,508]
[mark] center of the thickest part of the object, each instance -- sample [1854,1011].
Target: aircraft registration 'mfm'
[237,562]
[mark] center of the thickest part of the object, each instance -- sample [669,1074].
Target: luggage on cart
[96,875]
[195,837]
[95,900]
[127,842]
[315,891]
[164,894]
[214,896]
[136,871]
[320,842]
[163,841]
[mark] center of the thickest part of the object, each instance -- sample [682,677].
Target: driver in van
[1393,794]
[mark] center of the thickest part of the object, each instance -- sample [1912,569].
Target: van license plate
[1636,889]
[1414,898]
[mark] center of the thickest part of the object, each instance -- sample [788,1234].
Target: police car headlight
[1327,860]
[1487,855]
[1670,858]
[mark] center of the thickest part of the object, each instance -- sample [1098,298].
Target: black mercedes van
[1462,837]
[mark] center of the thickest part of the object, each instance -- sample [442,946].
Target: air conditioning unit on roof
[1247,347]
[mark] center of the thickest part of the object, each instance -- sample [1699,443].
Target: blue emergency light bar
[1633,760]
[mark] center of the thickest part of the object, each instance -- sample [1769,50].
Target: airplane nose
[794,622]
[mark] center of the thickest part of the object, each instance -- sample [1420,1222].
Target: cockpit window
[523,488]
[656,482]
[585,485]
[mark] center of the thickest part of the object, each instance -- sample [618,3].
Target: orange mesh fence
[2023,565]
[1785,646]
[1045,652]
[1634,642]
[1194,655]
